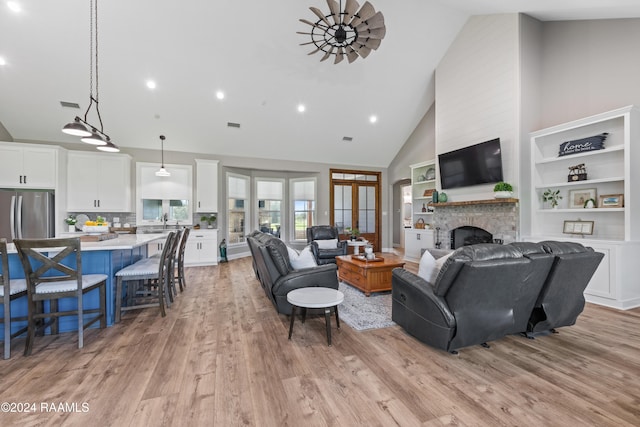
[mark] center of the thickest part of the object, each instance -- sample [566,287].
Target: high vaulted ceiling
[249,50]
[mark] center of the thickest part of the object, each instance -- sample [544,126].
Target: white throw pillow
[302,259]
[429,267]
[327,244]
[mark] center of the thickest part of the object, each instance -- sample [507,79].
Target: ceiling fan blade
[377,33]
[362,50]
[352,55]
[322,27]
[335,10]
[327,54]
[365,12]
[376,21]
[339,56]
[350,9]
[320,15]
[372,43]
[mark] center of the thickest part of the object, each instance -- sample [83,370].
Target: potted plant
[503,190]
[354,232]
[552,197]
[209,219]
[71,222]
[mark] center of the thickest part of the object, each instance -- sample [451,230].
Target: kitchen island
[105,257]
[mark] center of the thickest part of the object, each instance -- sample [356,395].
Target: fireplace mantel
[476,202]
[499,217]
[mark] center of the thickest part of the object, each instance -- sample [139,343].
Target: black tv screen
[474,165]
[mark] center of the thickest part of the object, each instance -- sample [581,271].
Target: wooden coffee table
[368,276]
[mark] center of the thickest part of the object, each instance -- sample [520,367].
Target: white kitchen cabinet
[155,248]
[206,186]
[415,240]
[98,182]
[28,166]
[610,171]
[202,248]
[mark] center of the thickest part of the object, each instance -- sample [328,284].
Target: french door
[355,204]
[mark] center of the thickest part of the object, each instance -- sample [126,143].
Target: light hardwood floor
[221,358]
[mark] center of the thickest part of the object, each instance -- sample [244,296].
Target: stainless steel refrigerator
[26,214]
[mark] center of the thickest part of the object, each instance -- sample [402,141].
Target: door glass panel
[366,209]
[342,205]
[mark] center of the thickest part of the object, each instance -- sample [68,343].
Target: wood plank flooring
[221,358]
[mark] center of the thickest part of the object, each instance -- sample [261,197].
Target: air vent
[347,138]
[233,125]
[69,104]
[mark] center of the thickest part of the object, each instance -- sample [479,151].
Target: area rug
[362,312]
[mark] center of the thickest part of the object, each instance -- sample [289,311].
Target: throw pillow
[327,244]
[302,259]
[429,267]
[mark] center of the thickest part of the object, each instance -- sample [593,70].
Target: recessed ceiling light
[373,119]
[14,6]
[301,108]
[151,84]
[220,94]
[2,61]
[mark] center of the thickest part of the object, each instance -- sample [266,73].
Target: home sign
[591,143]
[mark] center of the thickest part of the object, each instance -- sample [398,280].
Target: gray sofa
[487,291]
[277,276]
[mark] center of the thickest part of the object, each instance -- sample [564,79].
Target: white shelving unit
[613,170]
[423,178]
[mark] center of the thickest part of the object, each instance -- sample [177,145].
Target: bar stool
[48,269]
[179,264]
[10,289]
[152,277]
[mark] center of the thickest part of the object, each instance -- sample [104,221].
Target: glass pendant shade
[94,139]
[76,128]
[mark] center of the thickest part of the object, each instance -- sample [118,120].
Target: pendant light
[80,127]
[162,171]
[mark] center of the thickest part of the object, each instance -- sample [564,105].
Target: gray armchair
[325,232]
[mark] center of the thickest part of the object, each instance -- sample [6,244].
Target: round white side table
[356,245]
[315,297]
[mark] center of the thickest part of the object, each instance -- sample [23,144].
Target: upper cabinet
[98,182]
[206,185]
[28,166]
[612,176]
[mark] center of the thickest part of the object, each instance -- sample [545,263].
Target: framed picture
[578,198]
[612,201]
[578,227]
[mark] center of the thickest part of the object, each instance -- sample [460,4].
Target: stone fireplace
[497,218]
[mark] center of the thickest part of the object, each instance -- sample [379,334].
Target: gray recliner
[562,297]
[278,277]
[325,232]
[483,292]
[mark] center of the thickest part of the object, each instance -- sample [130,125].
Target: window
[161,198]
[237,193]
[153,210]
[269,193]
[303,195]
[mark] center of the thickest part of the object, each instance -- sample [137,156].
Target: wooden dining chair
[10,290]
[146,283]
[179,264]
[53,271]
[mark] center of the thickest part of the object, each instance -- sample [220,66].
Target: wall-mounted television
[474,165]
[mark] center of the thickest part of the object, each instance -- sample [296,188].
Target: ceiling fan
[353,33]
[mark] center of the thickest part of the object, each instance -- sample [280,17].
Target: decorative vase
[72,228]
[442,198]
[424,208]
[434,196]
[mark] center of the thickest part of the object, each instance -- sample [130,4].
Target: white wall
[477,95]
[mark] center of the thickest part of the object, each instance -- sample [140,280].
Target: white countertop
[124,241]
